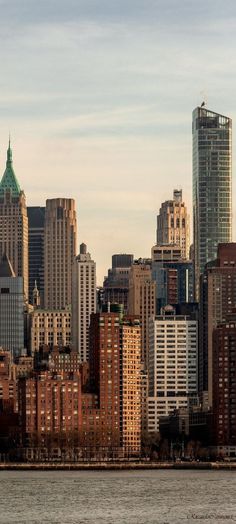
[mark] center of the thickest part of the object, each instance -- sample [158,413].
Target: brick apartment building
[224,383]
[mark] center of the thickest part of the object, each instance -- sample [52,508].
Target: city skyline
[106,106]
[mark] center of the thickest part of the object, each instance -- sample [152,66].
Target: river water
[106,497]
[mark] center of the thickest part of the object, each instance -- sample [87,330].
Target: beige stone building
[141,301]
[84,301]
[14,222]
[50,328]
[60,251]
[173,224]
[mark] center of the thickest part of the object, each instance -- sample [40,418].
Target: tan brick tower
[60,251]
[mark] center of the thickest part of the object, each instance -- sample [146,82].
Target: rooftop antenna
[204,98]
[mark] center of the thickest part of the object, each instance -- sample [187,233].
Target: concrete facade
[172,365]
[83,301]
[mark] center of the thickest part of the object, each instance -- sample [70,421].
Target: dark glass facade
[36,217]
[174,282]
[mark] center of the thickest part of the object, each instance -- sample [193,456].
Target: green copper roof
[9,180]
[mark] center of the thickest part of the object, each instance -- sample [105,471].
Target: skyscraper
[173,223]
[36,218]
[83,300]
[59,252]
[14,222]
[212,181]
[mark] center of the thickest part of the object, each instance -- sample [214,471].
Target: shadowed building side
[36,218]
[11,309]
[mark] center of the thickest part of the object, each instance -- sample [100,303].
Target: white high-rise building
[83,301]
[172,364]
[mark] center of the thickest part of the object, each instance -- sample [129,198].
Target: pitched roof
[9,180]
[6,269]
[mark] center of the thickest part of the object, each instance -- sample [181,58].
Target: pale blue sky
[98,97]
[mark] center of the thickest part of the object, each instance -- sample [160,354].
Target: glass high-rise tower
[212,186]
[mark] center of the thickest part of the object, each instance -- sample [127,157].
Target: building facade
[59,252]
[131,390]
[173,224]
[172,365]
[141,302]
[83,301]
[49,407]
[14,222]
[217,300]
[12,305]
[212,186]
[115,364]
[116,283]
[36,218]
[122,260]
[50,328]
[173,276]
[224,383]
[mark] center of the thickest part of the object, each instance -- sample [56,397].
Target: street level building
[49,407]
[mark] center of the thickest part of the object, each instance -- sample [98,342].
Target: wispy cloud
[98,96]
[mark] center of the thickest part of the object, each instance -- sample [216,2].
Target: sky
[98,98]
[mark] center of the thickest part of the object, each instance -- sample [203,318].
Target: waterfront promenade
[115,466]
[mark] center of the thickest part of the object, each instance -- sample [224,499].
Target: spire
[36,296]
[9,153]
[9,180]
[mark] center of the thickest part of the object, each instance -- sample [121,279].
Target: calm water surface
[147,497]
